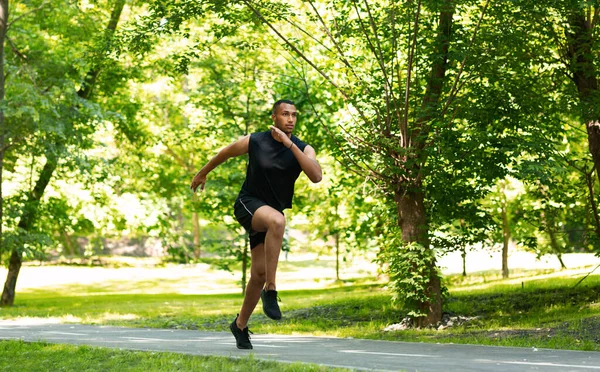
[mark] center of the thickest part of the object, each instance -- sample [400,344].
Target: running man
[275,160]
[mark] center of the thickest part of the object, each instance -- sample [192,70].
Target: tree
[560,203]
[443,97]
[580,55]
[63,127]
[400,95]
[571,34]
[440,97]
[569,48]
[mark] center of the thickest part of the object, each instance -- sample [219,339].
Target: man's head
[284,115]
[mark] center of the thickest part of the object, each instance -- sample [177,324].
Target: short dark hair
[278,103]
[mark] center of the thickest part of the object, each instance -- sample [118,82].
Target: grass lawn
[541,309]
[22,356]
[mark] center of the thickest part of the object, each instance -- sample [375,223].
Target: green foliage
[180,80]
[52,124]
[30,245]
[410,267]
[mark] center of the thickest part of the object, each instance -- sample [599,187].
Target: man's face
[284,118]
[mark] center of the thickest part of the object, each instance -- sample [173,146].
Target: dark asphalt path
[338,352]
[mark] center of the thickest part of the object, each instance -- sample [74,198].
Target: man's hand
[199,180]
[278,134]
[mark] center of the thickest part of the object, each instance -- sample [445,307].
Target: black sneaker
[242,337]
[270,306]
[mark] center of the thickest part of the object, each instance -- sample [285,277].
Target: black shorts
[244,209]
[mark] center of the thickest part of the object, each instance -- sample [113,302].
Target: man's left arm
[308,162]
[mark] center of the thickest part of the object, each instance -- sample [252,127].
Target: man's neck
[289,135]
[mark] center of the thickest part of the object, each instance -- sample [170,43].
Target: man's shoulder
[259,135]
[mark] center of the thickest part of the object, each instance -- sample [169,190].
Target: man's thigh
[264,216]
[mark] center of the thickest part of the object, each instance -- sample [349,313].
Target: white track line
[392,354]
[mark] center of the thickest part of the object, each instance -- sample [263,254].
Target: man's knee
[258,277]
[277,222]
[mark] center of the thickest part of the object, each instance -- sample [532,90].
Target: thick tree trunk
[582,66]
[413,223]
[412,216]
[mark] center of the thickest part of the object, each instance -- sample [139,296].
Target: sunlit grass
[22,356]
[542,310]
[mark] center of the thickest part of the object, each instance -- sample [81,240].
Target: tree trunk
[463,251]
[413,223]
[463,254]
[337,256]
[68,244]
[505,239]
[197,247]
[14,267]
[412,216]
[580,51]
[555,246]
[26,223]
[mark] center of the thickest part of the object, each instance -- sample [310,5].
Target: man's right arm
[239,147]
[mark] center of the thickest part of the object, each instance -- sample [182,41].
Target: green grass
[528,311]
[39,356]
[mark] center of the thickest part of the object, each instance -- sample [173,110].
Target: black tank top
[272,170]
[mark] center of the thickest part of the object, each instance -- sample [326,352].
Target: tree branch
[179,160]
[25,15]
[297,26]
[341,147]
[394,59]
[404,128]
[377,53]
[595,19]
[346,96]
[335,43]
[14,142]
[293,47]
[15,49]
[454,90]
[389,91]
